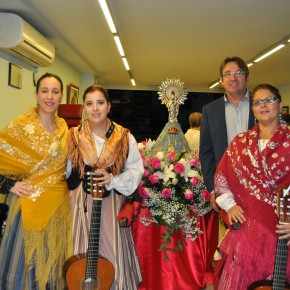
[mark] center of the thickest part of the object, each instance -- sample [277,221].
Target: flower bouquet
[172,189]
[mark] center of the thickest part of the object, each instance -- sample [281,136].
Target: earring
[280,117]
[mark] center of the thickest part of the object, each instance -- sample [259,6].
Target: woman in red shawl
[254,166]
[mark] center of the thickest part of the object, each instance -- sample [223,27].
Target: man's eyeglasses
[265,101]
[237,73]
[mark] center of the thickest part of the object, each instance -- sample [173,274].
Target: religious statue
[172,94]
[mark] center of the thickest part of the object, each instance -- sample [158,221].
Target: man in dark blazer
[222,119]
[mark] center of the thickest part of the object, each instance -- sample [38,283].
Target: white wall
[285,94]
[15,101]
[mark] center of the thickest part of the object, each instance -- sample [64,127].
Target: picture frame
[73,94]
[285,109]
[15,76]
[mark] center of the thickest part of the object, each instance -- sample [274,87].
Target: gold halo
[172,87]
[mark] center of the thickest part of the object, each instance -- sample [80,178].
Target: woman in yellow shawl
[33,153]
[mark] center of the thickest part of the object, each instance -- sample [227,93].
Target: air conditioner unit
[21,40]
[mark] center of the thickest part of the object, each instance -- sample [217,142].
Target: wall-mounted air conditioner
[20,39]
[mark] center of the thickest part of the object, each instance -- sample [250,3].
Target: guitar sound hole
[91,284]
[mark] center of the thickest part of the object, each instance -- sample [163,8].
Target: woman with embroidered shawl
[33,156]
[254,166]
[112,149]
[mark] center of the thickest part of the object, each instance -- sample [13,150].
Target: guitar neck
[93,248]
[280,269]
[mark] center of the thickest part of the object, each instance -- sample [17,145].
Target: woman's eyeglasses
[265,101]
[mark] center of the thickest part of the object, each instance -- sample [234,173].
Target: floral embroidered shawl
[253,177]
[29,152]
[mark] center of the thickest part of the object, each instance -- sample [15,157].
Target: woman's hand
[284,230]
[213,203]
[236,214]
[23,188]
[105,177]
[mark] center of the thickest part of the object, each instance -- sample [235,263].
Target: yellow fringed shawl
[29,152]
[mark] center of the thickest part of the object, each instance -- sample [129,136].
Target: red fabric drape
[184,270]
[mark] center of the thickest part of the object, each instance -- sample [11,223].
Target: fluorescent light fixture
[108,16]
[250,64]
[133,82]
[214,84]
[119,45]
[125,63]
[269,52]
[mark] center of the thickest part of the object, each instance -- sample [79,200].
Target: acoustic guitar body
[75,269]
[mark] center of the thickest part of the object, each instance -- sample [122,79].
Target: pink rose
[206,194]
[194,161]
[194,180]
[188,194]
[166,192]
[143,192]
[153,178]
[155,163]
[171,156]
[146,172]
[179,168]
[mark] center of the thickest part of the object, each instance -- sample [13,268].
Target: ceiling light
[214,84]
[250,64]
[108,16]
[125,63]
[269,52]
[119,45]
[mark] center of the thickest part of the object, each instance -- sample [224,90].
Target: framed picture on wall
[15,76]
[73,94]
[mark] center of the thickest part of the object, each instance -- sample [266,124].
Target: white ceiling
[184,39]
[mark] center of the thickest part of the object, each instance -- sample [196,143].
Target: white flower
[174,181]
[160,155]
[168,173]
[188,172]
[150,144]
[141,146]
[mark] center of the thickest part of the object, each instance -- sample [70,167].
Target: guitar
[280,269]
[90,272]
